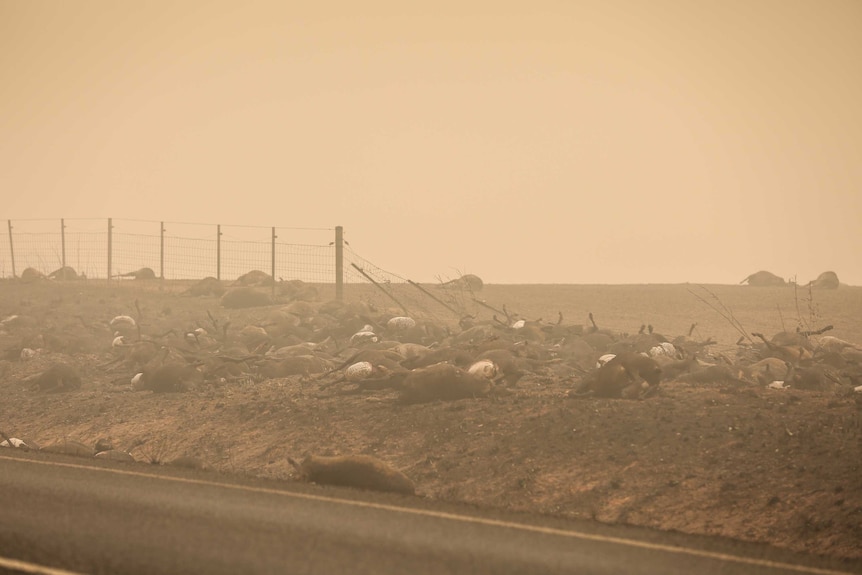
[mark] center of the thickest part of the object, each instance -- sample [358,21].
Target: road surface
[84,516]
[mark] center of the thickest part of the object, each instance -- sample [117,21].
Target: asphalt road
[88,517]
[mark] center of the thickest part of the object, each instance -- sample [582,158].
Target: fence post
[273,259]
[218,252]
[162,250]
[339,263]
[63,247]
[11,249]
[110,247]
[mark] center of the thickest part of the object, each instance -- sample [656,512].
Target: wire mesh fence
[115,248]
[173,250]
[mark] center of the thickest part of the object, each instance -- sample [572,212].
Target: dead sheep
[764,278]
[296,365]
[59,377]
[65,273]
[253,336]
[469,282]
[826,280]
[510,366]
[298,290]
[245,297]
[207,286]
[169,378]
[442,381]
[357,471]
[70,447]
[30,275]
[254,278]
[141,274]
[628,376]
[17,443]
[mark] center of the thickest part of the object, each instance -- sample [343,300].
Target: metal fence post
[110,247]
[11,249]
[63,247]
[339,263]
[218,252]
[162,250]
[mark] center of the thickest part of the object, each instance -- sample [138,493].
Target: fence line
[106,249]
[173,250]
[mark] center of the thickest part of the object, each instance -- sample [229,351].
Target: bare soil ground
[725,458]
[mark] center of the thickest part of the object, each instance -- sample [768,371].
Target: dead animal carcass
[628,375]
[358,471]
[58,377]
[826,280]
[764,279]
[442,381]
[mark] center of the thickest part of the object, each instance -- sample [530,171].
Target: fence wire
[398,294]
[173,250]
[188,251]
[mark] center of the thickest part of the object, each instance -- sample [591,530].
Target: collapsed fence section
[443,300]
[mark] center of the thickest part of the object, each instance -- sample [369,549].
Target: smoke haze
[541,142]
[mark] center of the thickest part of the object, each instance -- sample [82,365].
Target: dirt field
[723,458]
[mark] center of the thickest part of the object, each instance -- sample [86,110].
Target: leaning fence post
[273,259]
[162,250]
[63,247]
[110,247]
[339,263]
[218,251]
[380,287]
[11,249]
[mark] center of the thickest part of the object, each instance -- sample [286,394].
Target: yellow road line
[465,519]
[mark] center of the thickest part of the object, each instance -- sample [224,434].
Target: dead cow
[358,471]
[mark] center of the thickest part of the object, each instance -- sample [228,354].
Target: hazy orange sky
[526,142]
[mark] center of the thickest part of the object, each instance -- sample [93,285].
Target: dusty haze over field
[527,142]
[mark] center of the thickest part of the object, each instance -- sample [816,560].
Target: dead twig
[799,319]
[820,331]
[781,317]
[723,311]
[139,318]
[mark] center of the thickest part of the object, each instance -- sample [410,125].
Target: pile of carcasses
[350,347]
